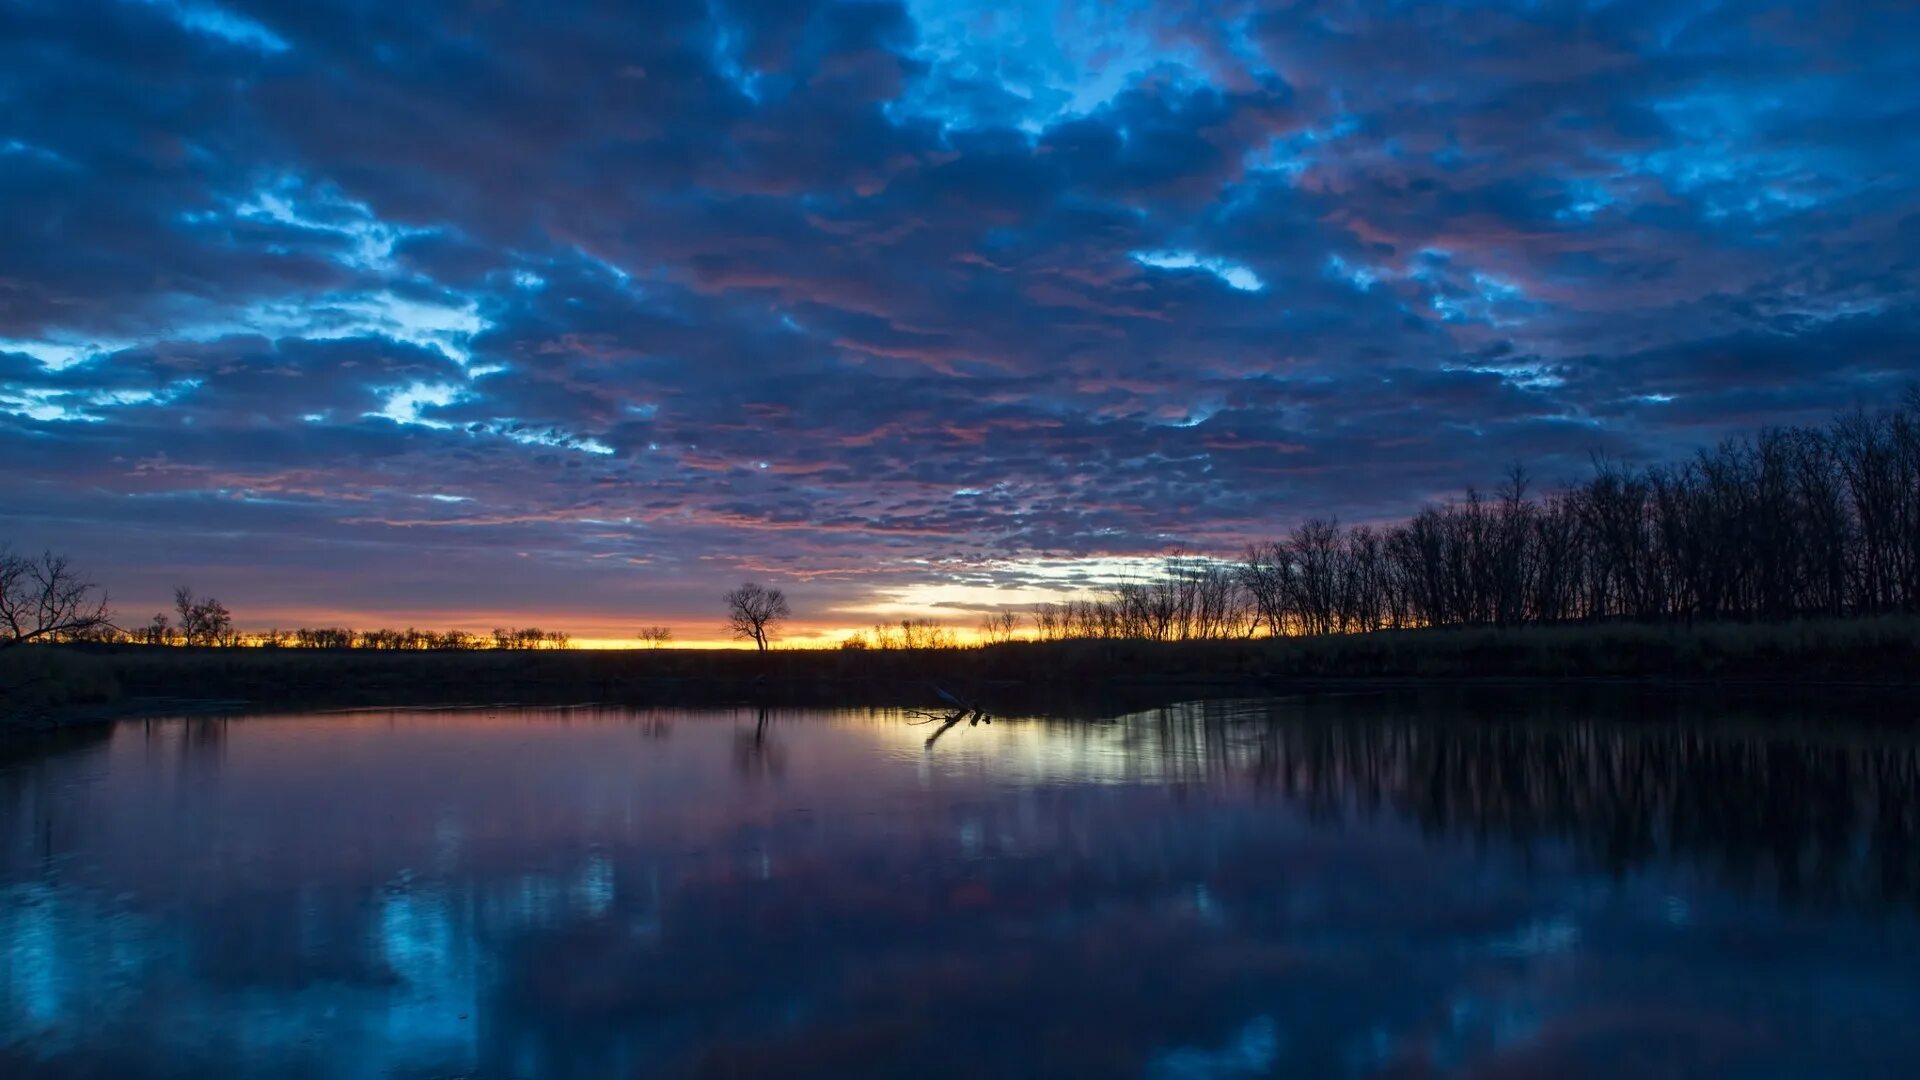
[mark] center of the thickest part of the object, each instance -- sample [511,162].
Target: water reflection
[1828,816]
[1322,886]
[755,754]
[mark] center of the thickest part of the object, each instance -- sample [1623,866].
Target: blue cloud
[1234,274]
[752,284]
[220,23]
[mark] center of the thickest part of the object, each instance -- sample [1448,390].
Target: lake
[1516,884]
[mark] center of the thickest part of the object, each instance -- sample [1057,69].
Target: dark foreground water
[1321,887]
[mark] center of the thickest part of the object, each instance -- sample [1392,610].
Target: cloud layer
[587,310]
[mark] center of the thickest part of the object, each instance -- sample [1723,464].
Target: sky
[572,313]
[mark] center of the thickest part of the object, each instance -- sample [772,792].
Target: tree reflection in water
[1819,815]
[1326,885]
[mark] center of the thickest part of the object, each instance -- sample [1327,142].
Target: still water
[1326,886]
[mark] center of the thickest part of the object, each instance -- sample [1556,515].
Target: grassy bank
[53,682]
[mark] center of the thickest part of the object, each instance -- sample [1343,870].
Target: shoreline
[80,684]
[1121,696]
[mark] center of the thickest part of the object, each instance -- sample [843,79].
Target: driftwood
[962,709]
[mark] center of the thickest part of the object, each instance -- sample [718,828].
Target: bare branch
[753,611]
[46,599]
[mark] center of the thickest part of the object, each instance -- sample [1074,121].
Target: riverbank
[55,685]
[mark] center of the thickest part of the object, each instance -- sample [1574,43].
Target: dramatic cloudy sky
[578,312]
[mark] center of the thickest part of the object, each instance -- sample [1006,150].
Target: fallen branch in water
[962,710]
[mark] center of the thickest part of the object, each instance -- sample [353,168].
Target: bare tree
[656,636]
[1049,623]
[524,637]
[46,599]
[924,634]
[753,610]
[203,621]
[1265,574]
[157,632]
[1000,626]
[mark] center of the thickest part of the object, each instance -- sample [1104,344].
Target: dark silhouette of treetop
[203,621]
[45,599]
[753,610]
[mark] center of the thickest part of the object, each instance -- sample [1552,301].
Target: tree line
[1789,522]
[206,622]
[1808,521]
[915,634]
[410,639]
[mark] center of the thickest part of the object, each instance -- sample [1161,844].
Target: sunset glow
[575,316]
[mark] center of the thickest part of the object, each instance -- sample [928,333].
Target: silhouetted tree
[656,636]
[1048,622]
[1791,522]
[999,627]
[45,599]
[203,621]
[924,634]
[754,610]
[159,631]
[324,637]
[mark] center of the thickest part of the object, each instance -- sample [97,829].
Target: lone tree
[45,598]
[656,636]
[753,610]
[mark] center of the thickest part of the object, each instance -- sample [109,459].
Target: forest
[1793,522]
